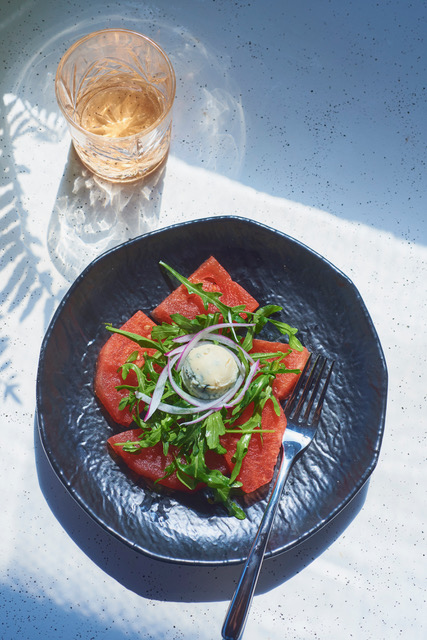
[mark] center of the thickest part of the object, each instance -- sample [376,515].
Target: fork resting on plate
[300,431]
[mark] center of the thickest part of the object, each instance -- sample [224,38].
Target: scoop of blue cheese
[209,371]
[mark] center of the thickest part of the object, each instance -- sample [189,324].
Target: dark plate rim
[75,494]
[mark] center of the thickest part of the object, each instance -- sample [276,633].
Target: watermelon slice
[258,465]
[151,463]
[112,355]
[284,382]
[213,278]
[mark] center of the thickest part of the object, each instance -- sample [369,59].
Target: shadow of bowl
[158,580]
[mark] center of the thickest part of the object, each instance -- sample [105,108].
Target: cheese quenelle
[209,371]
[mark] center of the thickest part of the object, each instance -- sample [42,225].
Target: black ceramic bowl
[332,320]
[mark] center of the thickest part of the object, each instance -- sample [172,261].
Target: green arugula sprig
[260,317]
[193,441]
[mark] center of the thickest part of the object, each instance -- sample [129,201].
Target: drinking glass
[116,89]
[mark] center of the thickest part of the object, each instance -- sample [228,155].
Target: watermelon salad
[198,392]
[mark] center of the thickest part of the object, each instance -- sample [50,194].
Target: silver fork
[298,434]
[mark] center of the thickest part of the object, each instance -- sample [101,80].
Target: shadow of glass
[160,580]
[92,215]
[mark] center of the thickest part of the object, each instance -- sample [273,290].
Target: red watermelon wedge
[213,278]
[259,463]
[113,354]
[151,462]
[284,382]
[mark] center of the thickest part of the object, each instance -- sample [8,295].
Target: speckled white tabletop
[308,117]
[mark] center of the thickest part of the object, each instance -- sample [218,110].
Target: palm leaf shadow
[24,282]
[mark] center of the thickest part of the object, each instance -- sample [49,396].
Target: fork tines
[308,384]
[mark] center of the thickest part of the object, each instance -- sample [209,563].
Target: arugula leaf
[291,332]
[131,366]
[198,469]
[241,450]
[165,331]
[188,481]
[214,428]
[123,403]
[133,356]
[259,319]
[207,297]
[140,340]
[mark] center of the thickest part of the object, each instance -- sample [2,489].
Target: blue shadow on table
[160,580]
[28,617]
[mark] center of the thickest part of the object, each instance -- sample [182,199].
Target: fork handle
[240,604]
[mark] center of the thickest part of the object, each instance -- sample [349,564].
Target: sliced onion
[238,362]
[166,408]
[176,357]
[252,371]
[194,339]
[220,402]
[212,327]
[230,343]
[157,394]
[199,418]
[175,351]
[232,328]
[217,338]
[216,404]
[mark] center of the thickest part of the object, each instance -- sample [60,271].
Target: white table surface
[309,117]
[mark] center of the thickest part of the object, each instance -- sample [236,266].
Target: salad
[203,391]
